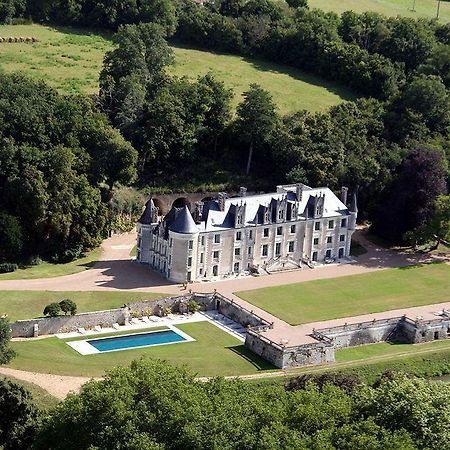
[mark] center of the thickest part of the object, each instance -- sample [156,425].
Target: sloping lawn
[213,353]
[49,270]
[354,295]
[30,304]
[423,8]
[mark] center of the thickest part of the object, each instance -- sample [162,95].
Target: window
[200,272]
[279,231]
[328,254]
[217,239]
[342,238]
[171,242]
[238,236]
[266,232]
[314,256]
[280,214]
[216,254]
[316,241]
[215,271]
[170,260]
[190,261]
[191,245]
[189,277]
[343,223]
[317,226]
[249,251]
[203,240]
[250,234]
[236,268]
[201,257]
[329,239]
[331,224]
[237,252]
[292,228]
[278,249]
[291,246]
[265,250]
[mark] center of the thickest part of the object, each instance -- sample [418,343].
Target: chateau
[261,233]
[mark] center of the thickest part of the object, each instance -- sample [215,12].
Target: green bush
[68,306]
[52,310]
[8,267]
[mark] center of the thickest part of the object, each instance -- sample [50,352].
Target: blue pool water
[136,340]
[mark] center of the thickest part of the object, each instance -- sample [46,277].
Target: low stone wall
[64,324]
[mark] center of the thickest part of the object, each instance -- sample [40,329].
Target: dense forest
[390,145]
[154,406]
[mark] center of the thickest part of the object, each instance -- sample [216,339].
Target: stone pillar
[36,330]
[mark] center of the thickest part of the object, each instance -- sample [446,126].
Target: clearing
[354,295]
[70,60]
[30,304]
[423,8]
[213,353]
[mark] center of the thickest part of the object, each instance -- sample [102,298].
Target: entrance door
[215,271]
[341,253]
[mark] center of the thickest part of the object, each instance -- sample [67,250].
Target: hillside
[70,60]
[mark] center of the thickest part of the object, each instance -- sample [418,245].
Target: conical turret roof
[146,217]
[184,222]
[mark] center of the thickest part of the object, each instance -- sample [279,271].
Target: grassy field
[70,60]
[29,304]
[41,398]
[214,352]
[423,8]
[354,295]
[48,270]
[291,89]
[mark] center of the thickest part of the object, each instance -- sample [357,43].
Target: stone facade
[259,233]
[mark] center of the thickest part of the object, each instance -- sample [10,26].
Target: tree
[68,306]
[256,119]
[11,239]
[18,417]
[411,198]
[52,309]
[297,3]
[6,352]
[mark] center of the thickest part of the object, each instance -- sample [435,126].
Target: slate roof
[184,223]
[146,217]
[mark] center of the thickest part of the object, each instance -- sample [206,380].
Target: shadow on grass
[248,355]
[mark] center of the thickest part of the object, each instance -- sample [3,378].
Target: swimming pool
[130,341]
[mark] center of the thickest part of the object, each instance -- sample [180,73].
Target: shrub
[52,310]
[68,306]
[193,306]
[8,267]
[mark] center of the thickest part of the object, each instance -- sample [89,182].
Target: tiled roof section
[184,222]
[146,217]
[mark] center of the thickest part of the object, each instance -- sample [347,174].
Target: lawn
[29,304]
[70,60]
[48,269]
[291,89]
[213,352]
[354,295]
[41,398]
[423,8]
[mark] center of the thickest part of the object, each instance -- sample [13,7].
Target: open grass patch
[30,304]
[41,398]
[423,8]
[49,270]
[213,353]
[354,295]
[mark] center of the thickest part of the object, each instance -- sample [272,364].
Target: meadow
[213,353]
[70,60]
[422,8]
[354,295]
[19,305]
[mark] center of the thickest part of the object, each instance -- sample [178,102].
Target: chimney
[299,191]
[221,200]
[155,211]
[344,193]
[242,191]
[198,212]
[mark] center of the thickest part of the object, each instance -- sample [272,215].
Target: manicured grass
[71,59]
[68,59]
[423,8]
[214,352]
[41,398]
[49,270]
[29,304]
[354,295]
[364,352]
[291,89]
